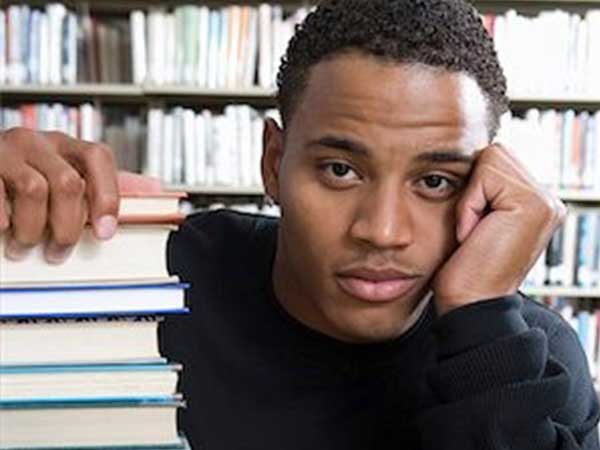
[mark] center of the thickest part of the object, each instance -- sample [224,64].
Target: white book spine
[137,21]
[44,52]
[233,45]
[200,156]
[265,35]
[167,148]
[3,51]
[569,248]
[189,147]
[16,67]
[202,47]
[213,59]
[171,54]
[153,163]
[223,65]
[252,55]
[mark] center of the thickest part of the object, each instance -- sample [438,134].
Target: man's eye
[438,184]
[340,171]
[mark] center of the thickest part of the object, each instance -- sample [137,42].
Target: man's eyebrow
[340,143]
[442,157]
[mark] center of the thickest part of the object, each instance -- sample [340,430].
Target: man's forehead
[354,89]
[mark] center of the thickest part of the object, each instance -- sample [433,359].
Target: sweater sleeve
[500,384]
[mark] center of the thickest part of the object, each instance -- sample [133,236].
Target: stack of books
[79,358]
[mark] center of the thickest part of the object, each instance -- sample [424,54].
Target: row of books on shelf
[560,148]
[80,365]
[226,47]
[572,257]
[205,148]
[240,46]
[522,43]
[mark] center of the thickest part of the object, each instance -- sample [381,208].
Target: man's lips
[375,285]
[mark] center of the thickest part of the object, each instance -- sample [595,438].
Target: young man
[381,310]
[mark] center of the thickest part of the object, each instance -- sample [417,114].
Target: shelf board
[575,195]
[255,92]
[217,190]
[560,291]
[81,89]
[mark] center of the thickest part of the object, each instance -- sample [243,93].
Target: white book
[589,155]
[34,47]
[257,146]
[16,67]
[569,248]
[251,56]
[157,38]
[210,146]
[83,425]
[3,39]
[137,21]
[190,145]
[277,39]
[245,139]
[178,16]
[167,147]
[597,151]
[135,252]
[177,145]
[135,297]
[171,57]
[56,14]
[154,145]
[265,35]
[86,115]
[70,65]
[44,51]
[87,340]
[213,49]
[93,382]
[233,45]
[202,46]
[223,61]
[568,171]
[199,157]
[190,54]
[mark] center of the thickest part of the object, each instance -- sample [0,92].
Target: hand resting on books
[51,185]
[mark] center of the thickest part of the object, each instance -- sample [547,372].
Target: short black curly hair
[446,34]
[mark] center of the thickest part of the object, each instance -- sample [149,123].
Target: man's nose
[384,219]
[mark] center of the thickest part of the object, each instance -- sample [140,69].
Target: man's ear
[271,157]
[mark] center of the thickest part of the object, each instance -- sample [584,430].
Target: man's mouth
[375,285]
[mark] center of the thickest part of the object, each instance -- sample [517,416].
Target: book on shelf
[79,339]
[571,68]
[205,148]
[572,258]
[560,148]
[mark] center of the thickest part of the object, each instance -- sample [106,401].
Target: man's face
[367,177]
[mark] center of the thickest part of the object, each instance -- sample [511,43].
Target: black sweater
[504,373]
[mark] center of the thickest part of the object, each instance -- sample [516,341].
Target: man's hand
[51,185]
[504,222]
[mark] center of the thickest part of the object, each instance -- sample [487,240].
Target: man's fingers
[97,164]
[4,209]
[29,192]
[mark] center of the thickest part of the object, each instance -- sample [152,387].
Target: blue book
[102,298]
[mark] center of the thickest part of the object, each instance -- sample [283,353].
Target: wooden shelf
[560,291]
[217,190]
[186,91]
[574,195]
